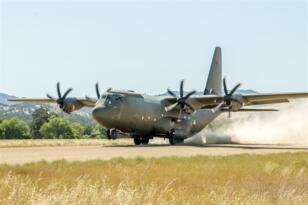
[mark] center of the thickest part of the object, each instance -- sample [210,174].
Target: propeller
[98,94]
[180,100]
[61,98]
[228,99]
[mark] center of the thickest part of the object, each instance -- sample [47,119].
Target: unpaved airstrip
[23,155]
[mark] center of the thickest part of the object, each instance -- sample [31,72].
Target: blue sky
[149,46]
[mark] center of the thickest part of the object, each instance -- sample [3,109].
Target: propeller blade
[182,89]
[59,90]
[97,91]
[172,93]
[225,86]
[50,97]
[180,115]
[66,93]
[234,89]
[171,107]
[190,107]
[189,94]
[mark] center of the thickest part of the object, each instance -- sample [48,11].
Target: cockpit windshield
[112,99]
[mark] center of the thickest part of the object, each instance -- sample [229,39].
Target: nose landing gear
[112,134]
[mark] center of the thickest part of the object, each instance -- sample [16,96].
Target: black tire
[172,140]
[145,140]
[137,140]
[112,134]
[109,134]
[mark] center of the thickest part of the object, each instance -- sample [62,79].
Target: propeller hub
[181,100]
[228,99]
[61,98]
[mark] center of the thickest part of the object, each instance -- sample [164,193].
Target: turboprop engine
[68,105]
[232,102]
[236,104]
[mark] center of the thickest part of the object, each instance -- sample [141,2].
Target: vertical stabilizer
[214,80]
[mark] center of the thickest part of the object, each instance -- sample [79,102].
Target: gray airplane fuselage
[143,115]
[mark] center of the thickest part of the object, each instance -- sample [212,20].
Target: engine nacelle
[235,106]
[71,104]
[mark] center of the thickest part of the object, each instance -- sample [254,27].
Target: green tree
[78,130]
[39,117]
[98,132]
[57,127]
[88,131]
[14,128]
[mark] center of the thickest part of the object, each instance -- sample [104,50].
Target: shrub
[39,117]
[78,130]
[57,128]
[14,128]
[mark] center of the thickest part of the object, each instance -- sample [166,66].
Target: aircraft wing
[275,98]
[209,101]
[83,101]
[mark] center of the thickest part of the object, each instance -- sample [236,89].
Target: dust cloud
[289,126]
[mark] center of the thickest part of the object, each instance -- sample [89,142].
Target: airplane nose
[97,112]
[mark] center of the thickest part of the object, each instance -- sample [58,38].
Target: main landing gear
[174,141]
[141,140]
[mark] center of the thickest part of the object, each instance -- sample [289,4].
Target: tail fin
[214,80]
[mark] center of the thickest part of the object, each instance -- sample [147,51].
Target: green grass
[240,179]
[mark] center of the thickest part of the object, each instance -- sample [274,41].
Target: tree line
[47,125]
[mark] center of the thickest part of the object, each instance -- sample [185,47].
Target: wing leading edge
[84,102]
[207,101]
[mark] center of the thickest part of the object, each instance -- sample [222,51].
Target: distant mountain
[4,97]
[24,111]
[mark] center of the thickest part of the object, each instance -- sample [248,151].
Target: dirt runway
[81,153]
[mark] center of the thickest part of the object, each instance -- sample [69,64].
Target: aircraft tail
[214,80]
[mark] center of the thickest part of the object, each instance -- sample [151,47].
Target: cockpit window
[107,100]
[112,99]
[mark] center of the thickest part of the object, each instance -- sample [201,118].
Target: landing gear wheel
[108,134]
[137,140]
[145,140]
[112,134]
[172,140]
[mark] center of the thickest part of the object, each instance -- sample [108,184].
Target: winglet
[214,80]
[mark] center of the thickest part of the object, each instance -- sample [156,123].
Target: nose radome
[97,112]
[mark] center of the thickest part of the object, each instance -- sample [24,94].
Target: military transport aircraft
[176,117]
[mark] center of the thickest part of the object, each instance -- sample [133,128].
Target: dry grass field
[71,142]
[63,142]
[238,179]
